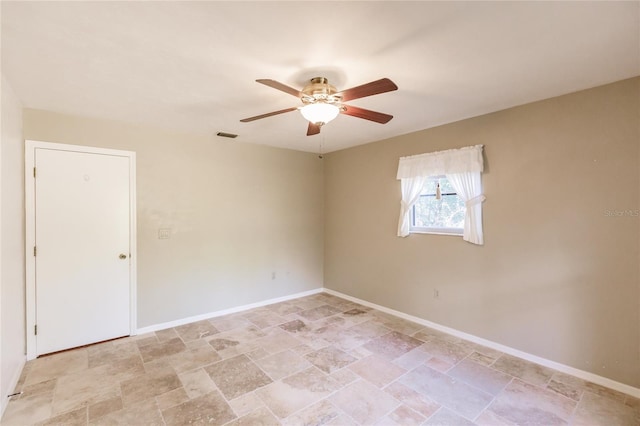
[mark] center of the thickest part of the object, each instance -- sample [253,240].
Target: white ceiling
[192,66]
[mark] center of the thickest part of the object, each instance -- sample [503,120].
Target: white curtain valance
[463,160]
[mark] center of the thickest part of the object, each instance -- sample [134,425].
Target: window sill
[437,231]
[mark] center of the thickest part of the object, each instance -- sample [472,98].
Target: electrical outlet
[436,293]
[164,233]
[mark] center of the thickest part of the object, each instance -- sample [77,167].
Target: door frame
[30,234]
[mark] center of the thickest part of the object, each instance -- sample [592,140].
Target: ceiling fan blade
[269,114]
[375,87]
[313,129]
[279,86]
[367,114]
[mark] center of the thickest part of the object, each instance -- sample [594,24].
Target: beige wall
[556,277]
[239,213]
[12,307]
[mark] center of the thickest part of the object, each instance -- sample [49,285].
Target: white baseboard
[12,386]
[585,375]
[208,315]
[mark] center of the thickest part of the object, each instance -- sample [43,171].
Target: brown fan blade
[375,87]
[279,86]
[378,117]
[313,129]
[269,114]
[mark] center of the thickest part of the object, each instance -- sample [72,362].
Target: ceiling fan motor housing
[319,90]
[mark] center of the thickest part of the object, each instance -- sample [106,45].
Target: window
[462,170]
[443,214]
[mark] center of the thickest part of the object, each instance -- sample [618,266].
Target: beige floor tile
[377,371]
[329,359]
[295,392]
[524,403]
[268,319]
[85,388]
[284,308]
[124,368]
[237,376]
[317,360]
[344,377]
[260,417]
[309,303]
[172,398]
[479,376]
[246,403]
[29,410]
[404,415]
[428,334]
[52,366]
[257,354]
[154,351]
[196,330]
[317,414]
[142,413]
[229,322]
[314,314]
[447,350]
[197,383]
[282,364]
[412,359]
[295,326]
[400,325]
[141,340]
[483,359]
[439,364]
[342,420]
[106,353]
[192,359]
[392,345]
[369,329]
[456,395]
[72,418]
[525,370]
[105,407]
[206,409]
[149,385]
[412,399]
[166,334]
[598,410]
[277,341]
[349,339]
[447,417]
[364,402]
[489,418]
[37,388]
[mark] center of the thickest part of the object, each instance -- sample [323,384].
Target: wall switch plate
[164,233]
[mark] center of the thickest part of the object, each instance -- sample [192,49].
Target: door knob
[122,256]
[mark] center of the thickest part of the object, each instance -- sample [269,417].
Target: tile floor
[317,360]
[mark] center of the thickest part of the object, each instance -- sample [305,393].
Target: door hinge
[34,172]
[35,329]
[35,251]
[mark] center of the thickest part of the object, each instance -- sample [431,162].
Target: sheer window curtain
[468,186]
[463,168]
[411,188]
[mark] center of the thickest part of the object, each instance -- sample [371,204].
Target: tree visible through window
[443,214]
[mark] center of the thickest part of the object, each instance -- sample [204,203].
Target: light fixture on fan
[322,102]
[319,113]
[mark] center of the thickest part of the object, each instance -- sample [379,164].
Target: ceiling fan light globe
[319,113]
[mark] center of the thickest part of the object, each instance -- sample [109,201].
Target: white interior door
[82,243]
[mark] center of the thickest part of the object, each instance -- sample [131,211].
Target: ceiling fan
[321,102]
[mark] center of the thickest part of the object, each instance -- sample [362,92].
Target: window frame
[433,230]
